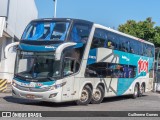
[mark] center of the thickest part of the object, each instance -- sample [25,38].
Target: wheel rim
[97,95]
[136,91]
[84,96]
[142,89]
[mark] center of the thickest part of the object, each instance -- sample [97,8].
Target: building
[14,16]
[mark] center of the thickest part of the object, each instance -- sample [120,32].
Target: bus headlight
[14,84]
[57,86]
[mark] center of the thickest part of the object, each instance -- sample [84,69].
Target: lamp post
[55,8]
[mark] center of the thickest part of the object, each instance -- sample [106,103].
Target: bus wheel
[142,90]
[136,91]
[86,96]
[98,95]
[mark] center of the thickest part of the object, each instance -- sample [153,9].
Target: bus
[64,59]
[157,70]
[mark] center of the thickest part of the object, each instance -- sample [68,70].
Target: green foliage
[142,29]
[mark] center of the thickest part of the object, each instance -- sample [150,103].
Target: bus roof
[123,34]
[62,19]
[97,25]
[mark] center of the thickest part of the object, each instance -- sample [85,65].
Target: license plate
[30,96]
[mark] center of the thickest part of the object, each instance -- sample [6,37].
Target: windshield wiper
[23,76]
[50,78]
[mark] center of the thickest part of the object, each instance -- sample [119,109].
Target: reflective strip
[3,88]
[3,85]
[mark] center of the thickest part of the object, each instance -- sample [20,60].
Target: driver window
[68,67]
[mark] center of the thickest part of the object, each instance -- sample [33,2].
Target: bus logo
[124,57]
[92,57]
[142,66]
[50,47]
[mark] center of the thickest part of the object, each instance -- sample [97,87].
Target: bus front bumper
[52,96]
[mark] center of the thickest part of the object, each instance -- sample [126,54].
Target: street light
[55,7]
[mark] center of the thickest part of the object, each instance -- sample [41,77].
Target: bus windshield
[37,65]
[46,31]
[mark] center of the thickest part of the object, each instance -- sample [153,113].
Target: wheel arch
[101,84]
[143,83]
[84,84]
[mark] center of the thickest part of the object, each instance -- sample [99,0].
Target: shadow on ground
[65,104]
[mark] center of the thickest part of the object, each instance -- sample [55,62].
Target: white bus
[64,59]
[157,70]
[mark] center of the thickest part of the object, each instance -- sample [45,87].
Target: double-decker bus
[157,70]
[63,59]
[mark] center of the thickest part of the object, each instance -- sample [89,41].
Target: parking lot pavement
[149,102]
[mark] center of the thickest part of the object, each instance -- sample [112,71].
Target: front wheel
[86,96]
[98,95]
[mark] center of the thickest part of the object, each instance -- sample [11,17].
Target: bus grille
[33,89]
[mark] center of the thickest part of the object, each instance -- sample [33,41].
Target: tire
[98,96]
[86,96]
[142,90]
[136,92]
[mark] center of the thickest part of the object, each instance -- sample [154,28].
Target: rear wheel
[136,91]
[86,96]
[142,90]
[98,95]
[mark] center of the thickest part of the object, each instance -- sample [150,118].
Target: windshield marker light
[57,86]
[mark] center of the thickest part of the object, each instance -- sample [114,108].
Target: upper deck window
[46,31]
[80,32]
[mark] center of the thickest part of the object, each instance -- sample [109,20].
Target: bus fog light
[57,86]
[14,84]
[53,95]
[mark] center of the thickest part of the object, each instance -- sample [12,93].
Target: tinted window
[110,70]
[145,49]
[46,31]
[99,39]
[150,51]
[104,38]
[107,39]
[136,47]
[113,40]
[80,32]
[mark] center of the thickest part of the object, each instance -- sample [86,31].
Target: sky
[110,13]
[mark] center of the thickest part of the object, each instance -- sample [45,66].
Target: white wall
[2,22]
[3,8]
[21,12]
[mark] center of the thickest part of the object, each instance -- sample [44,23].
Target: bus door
[70,66]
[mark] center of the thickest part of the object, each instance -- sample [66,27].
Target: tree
[157,36]
[142,29]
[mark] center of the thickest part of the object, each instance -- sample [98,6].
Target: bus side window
[150,51]
[99,39]
[141,49]
[80,32]
[131,47]
[124,44]
[135,47]
[113,40]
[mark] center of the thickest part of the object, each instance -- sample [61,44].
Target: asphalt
[148,102]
